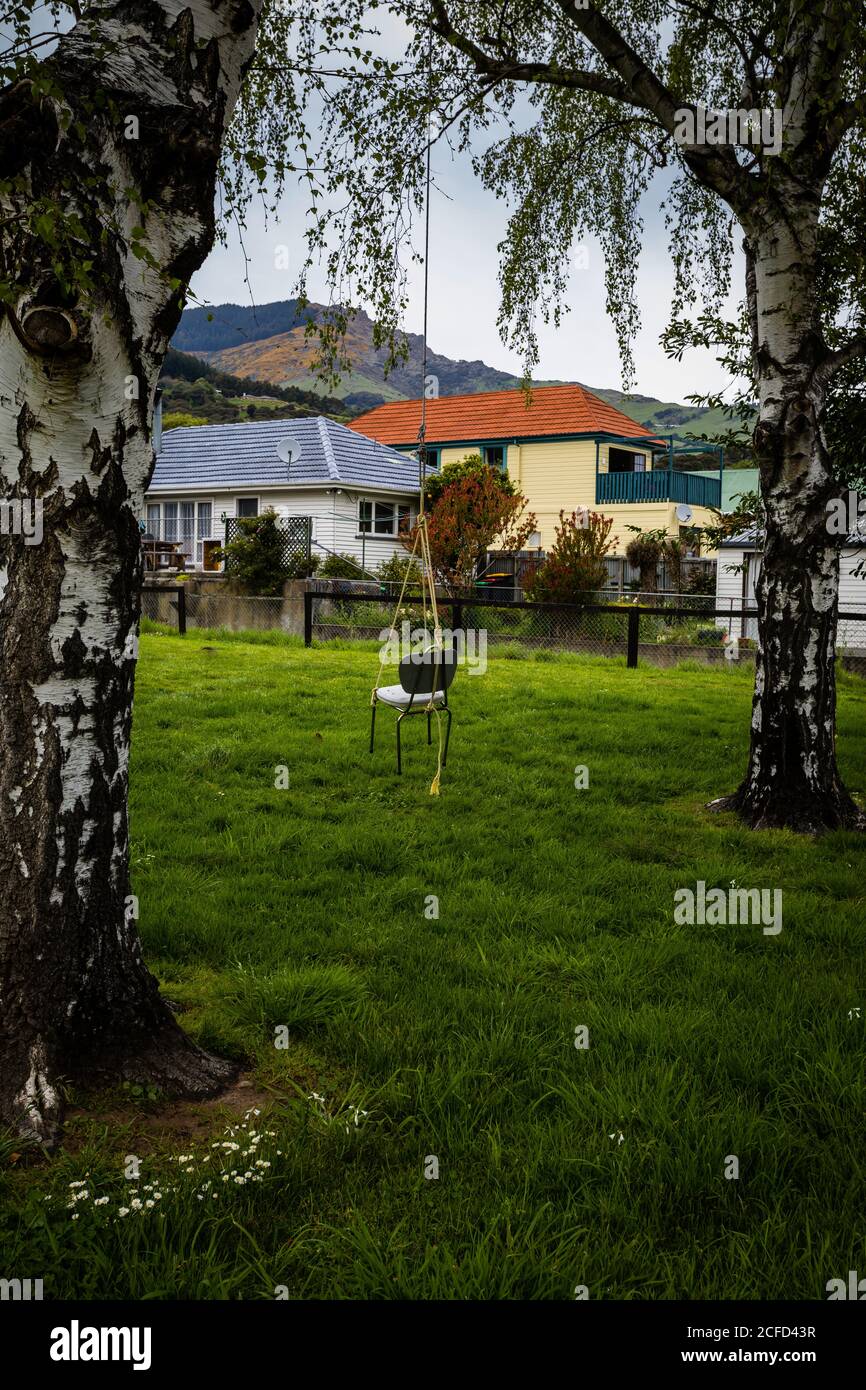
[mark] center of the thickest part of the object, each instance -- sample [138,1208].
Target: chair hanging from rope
[425,673]
[424,676]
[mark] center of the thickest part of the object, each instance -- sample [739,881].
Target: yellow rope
[428,581]
[392,632]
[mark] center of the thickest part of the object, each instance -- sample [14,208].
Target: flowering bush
[575,566]
[472,509]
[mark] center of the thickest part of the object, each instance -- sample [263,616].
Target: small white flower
[100,1201]
[123,1211]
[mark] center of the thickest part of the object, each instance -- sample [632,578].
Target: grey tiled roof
[245,456]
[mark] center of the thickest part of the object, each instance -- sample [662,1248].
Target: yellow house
[565,450]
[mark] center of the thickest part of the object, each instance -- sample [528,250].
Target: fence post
[633,637]
[457,616]
[308,618]
[181,610]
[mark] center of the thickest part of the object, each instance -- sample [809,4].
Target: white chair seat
[398,697]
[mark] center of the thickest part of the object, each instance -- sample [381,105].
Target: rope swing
[421,548]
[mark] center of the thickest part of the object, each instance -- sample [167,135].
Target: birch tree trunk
[792,778]
[78,373]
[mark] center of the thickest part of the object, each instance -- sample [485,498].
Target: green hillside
[203,394]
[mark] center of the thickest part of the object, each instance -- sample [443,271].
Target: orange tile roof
[553,410]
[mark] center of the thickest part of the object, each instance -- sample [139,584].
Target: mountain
[267,343]
[202,394]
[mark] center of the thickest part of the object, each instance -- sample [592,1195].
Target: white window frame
[248,497]
[374,502]
[195,553]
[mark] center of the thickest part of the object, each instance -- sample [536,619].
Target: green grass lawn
[305,909]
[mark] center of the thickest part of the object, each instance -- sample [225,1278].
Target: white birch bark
[78,374]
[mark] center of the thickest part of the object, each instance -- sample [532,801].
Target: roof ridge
[482,395]
[328,449]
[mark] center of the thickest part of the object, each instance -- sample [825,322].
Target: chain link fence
[662,630]
[662,634]
[218,611]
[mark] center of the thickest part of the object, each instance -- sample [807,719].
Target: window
[624,461]
[153,521]
[494,454]
[248,506]
[382,518]
[170,516]
[205,520]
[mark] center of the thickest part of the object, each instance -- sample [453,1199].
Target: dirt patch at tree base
[157,1122]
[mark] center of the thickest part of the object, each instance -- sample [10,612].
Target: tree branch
[855,347]
[714,166]
[513,69]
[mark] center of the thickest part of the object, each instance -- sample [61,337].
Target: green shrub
[256,561]
[395,569]
[701,581]
[302,566]
[340,566]
[708,637]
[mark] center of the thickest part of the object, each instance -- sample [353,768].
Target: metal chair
[430,671]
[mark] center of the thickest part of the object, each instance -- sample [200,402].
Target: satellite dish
[684,513]
[288,450]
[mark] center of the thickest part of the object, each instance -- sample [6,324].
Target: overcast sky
[466,225]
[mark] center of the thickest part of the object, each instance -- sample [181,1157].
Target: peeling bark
[77,381]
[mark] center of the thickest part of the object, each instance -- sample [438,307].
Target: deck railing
[659,485]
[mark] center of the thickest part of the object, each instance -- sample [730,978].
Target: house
[358,493]
[566,449]
[738,569]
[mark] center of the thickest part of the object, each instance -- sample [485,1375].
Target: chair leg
[372,728]
[429,734]
[447,737]
[399,757]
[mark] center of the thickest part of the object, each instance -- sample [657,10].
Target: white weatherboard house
[357,492]
[738,568]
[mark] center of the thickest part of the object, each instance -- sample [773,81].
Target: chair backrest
[432,669]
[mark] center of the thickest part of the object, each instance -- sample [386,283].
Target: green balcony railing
[659,485]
